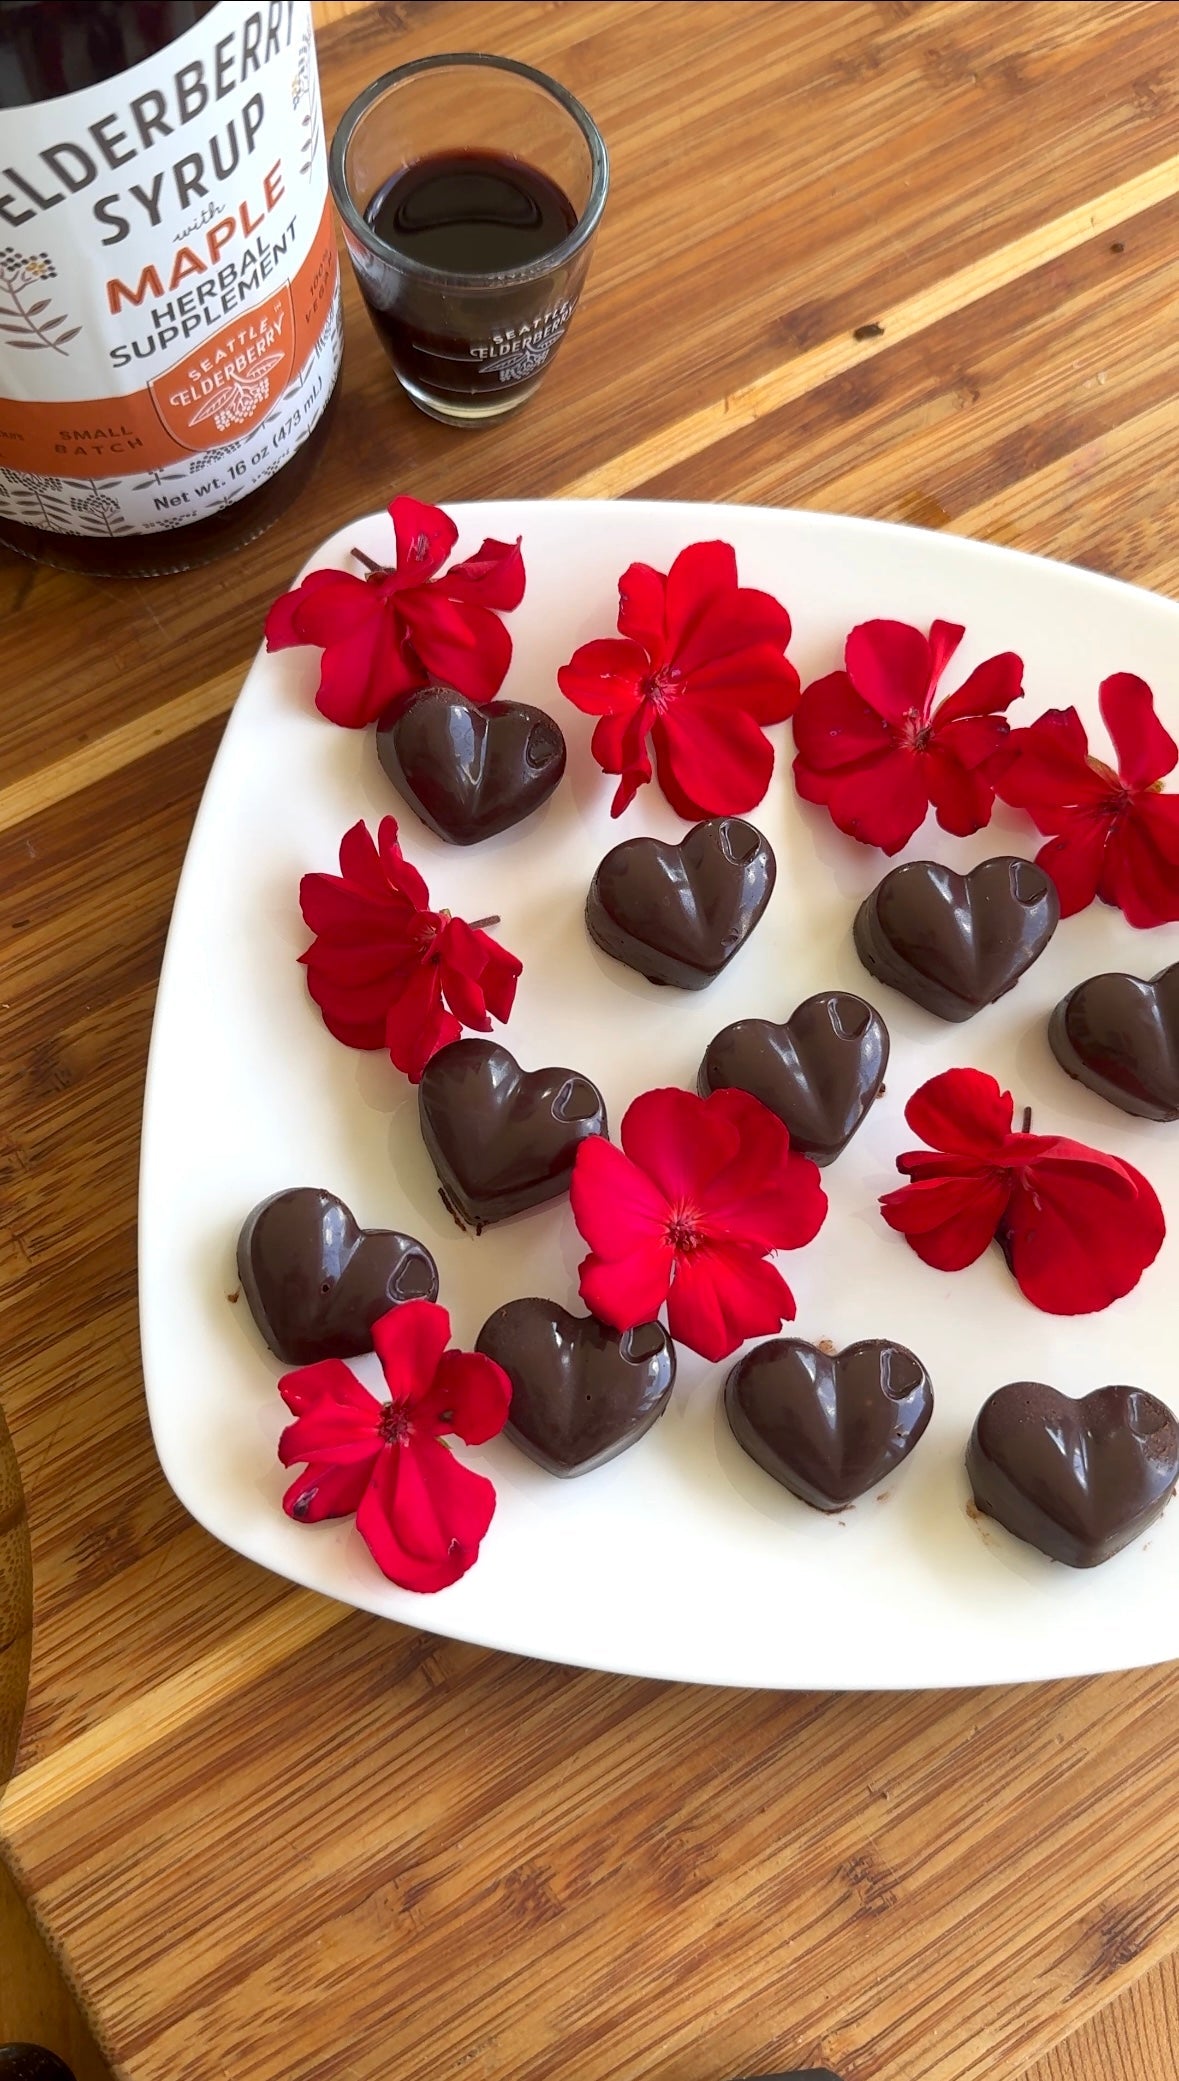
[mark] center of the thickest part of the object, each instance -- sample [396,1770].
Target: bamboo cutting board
[911,261]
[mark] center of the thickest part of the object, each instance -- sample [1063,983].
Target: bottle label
[169,288]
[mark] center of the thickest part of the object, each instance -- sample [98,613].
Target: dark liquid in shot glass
[471,214]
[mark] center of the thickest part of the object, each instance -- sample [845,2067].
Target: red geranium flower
[400,628]
[1078,1228]
[686,1212]
[387,971]
[699,670]
[1113,835]
[875,752]
[420,1512]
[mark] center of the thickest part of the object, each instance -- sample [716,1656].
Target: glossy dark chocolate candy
[315,1282]
[1120,1036]
[819,1071]
[679,913]
[828,1426]
[502,1138]
[469,769]
[1078,1479]
[581,1392]
[956,942]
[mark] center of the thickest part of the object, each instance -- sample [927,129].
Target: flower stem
[481,923]
[377,570]
[1027,1120]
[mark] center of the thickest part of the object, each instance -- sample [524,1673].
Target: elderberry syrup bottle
[169,287]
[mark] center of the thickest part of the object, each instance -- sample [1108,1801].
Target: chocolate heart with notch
[316,1282]
[819,1072]
[1120,1036]
[679,913]
[502,1138]
[469,769]
[581,1392]
[1077,1478]
[956,942]
[828,1426]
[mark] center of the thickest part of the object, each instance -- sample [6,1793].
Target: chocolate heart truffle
[828,1427]
[469,769]
[819,1072]
[1120,1036]
[679,913]
[581,1392]
[955,942]
[502,1138]
[315,1282]
[1078,1479]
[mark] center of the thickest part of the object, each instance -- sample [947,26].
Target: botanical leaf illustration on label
[24,323]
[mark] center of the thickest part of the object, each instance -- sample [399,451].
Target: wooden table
[909,261]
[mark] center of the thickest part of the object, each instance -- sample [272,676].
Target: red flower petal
[361,672]
[834,727]
[711,761]
[463,646]
[1080,1233]
[417,1024]
[625,1291]
[948,1222]
[323,1490]
[738,620]
[1076,861]
[604,677]
[1045,768]
[1146,752]
[767,1195]
[879,803]
[758,680]
[962,799]
[991,687]
[328,1380]
[425,536]
[701,579]
[615,1205]
[619,746]
[722,1294]
[470,1395]
[318,608]
[410,1341]
[680,1142]
[642,597]
[424,1514]
[890,665]
[493,577]
[1140,870]
[963,1112]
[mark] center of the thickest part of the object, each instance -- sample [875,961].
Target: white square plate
[680,1558]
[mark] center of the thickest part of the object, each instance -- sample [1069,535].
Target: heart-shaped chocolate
[819,1072]
[502,1138]
[315,1282]
[679,913]
[1120,1036]
[581,1392]
[469,769]
[1078,1479]
[955,942]
[828,1426]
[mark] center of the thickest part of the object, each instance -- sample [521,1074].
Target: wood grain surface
[273,1839]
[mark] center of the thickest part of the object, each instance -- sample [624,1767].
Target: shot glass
[469,189]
